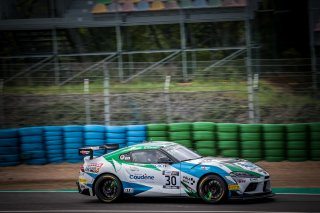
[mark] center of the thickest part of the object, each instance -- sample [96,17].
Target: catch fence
[104,91]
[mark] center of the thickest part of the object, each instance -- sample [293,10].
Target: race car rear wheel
[108,188]
[212,189]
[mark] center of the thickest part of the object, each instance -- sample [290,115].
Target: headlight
[243,175]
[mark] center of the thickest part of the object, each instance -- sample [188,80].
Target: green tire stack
[204,138]
[251,142]
[314,132]
[157,132]
[273,136]
[181,133]
[228,139]
[296,142]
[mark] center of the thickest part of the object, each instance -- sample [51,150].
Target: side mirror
[165,160]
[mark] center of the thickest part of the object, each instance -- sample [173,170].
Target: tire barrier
[250,142]
[56,144]
[314,132]
[32,146]
[296,146]
[157,132]
[9,147]
[136,134]
[116,135]
[228,139]
[181,134]
[53,139]
[204,138]
[95,135]
[73,140]
[274,145]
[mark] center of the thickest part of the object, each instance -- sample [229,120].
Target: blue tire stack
[73,140]
[32,146]
[9,147]
[94,135]
[136,134]
[116,135]
[53,137]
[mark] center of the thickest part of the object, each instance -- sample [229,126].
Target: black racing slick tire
[108,188]
[212,189]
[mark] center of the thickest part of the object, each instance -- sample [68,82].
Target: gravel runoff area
[63,176]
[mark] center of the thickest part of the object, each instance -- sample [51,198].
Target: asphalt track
[74,202]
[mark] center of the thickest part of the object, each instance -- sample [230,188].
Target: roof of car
[153,145]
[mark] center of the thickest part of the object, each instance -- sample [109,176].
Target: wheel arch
[105,173]
[207,174]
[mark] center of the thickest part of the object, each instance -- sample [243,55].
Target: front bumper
[246,196]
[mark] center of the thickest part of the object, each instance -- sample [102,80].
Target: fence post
[256,97]
[106,95]
[250,91]
[86,90]
[119,51]
[2,120]
[167,98]
[183,44]
[249,64]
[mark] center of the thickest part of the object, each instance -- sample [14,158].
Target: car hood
[230,165]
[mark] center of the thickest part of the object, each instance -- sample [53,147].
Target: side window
[147,156]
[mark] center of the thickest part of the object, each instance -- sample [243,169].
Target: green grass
[137,86]
[267,93]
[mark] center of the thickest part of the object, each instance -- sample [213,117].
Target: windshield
[181,153]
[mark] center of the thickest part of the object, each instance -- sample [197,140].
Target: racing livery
[169,169]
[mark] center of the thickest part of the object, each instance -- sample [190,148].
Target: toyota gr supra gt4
[168,169]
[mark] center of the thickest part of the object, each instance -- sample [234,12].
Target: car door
[149,173]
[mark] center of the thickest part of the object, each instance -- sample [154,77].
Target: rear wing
[88,151]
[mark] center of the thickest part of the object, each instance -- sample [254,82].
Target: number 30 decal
[171,180]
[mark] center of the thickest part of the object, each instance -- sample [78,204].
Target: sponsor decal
[160,165]
[84,152]
[171,187]
[234,187]
[128,190]
[93,167]
[124,157]
[175,173]
[166,172]
[83,180]
[254,179]
[204,168]
[141,177]
[170,173]
[188,180]
[241,180]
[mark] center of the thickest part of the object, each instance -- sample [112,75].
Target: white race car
[169,169]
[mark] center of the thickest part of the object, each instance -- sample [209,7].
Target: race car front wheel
[108,188]
[212,189]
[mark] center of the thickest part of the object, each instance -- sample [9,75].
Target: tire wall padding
[271,142]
